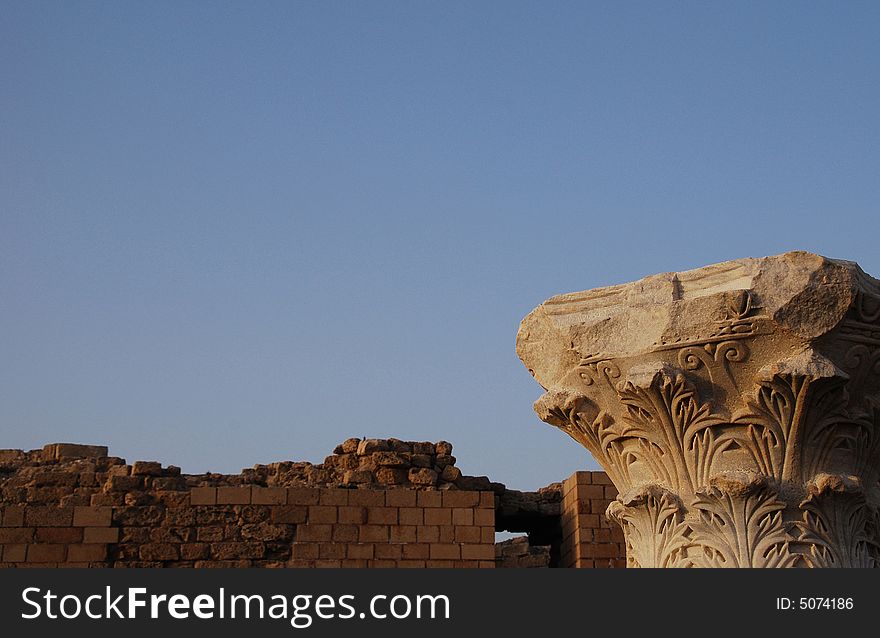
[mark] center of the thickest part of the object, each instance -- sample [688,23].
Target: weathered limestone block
[735,407]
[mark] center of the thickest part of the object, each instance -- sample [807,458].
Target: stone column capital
[735,407]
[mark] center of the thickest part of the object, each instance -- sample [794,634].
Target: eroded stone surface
[735,407]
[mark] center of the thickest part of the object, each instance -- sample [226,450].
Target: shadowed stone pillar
[736,408]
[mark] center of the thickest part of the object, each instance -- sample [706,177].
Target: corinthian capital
[736,408]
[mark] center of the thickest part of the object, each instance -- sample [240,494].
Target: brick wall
[258,527]
[589,539]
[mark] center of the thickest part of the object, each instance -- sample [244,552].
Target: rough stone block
[146,468]
[47,516]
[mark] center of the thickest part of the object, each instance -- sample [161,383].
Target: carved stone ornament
[736,408]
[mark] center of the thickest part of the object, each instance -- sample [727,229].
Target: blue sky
[234,233]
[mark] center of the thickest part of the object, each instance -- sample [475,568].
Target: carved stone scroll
[735,407]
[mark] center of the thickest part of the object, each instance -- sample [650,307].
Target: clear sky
[234,233]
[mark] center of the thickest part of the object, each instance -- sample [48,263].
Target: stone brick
[413,564]
[233,495]
[400,498]
[14,553]
[328,564]
[86,553]
[468,534]
[303,496]
[411,516]
[290,514]
[487,534]
[333,497]
[367,498]
[430,499]
[446,551]
[403,534]
[447,534]
[428,534]
[322,514]
[454,498]
[334,551]
[477,552]
[203,496]
[345,533]
[361,551]
[388,552]
[13,516]
[306,551]
[45,553]
[462,516]
[590,491]
[484,517]
[373,534]
[382,515]
[69,451]
[381,564]
[312,532]
[352,515]
[268,495]
[438,516]
[416,551]
[16,535]
[58,535]
[92,516]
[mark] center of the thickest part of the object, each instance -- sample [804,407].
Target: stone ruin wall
[372,503]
